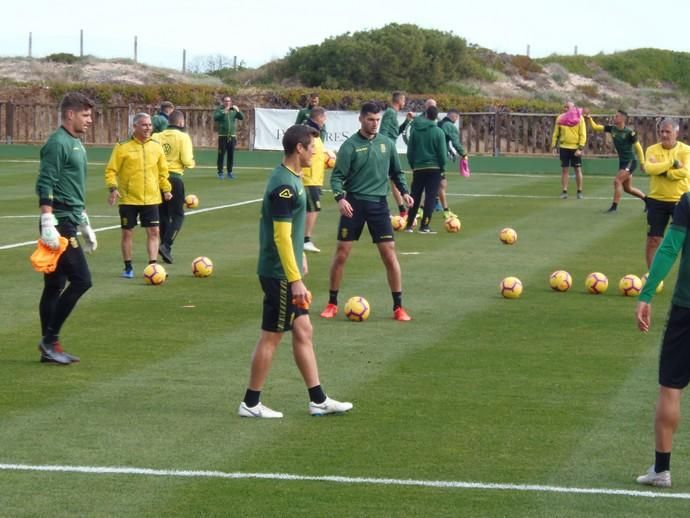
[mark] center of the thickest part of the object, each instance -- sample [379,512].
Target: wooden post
[9,122]
[496,133]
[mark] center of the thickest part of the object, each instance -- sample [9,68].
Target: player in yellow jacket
[179,154]
[668,167]
[136,174]
[313,177]
[569,138]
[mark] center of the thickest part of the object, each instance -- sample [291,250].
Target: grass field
[481,406]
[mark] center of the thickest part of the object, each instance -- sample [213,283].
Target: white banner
[340,125]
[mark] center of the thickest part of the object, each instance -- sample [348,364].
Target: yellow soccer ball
[596,283]
[630,285]
[508,236]
[560,280]
[511,287]
[191,201]
[155,274]
[644,278]
[202,267]
[357,309]
[452,225]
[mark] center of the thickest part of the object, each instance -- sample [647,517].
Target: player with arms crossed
[61,189]
[281,266]
[628,148]
[674,360]
[359,181]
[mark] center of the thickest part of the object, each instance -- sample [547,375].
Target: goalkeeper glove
[49,234]
[90,242]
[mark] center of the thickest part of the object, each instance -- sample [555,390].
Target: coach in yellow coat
[668,167]
[136,174]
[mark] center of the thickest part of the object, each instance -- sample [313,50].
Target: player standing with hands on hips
[282,264]
[61,189]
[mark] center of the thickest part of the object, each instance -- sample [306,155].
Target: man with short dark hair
[160,120]
[282,265]
[61,189]
[226,117]
[136,175]
[303,113]
[179,154]
[312,177]
[366,161]
[668,167]
[628,148]
[426,154]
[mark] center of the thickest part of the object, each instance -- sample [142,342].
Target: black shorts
[374,213]
[313,198]
[568,158]
[627,165]
[658,215]
[72,264]
[279,312]
[674,359]
[148,216]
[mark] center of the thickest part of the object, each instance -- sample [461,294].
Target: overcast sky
[261,30]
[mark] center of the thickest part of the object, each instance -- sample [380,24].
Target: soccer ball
[560,280]
[452,225]
[398,223]
[508,236]
[154,274]
[329,161]
[596,283]
[511,287]
[643,281]
[630,285]
[357,309]
[202,266]
[191,201]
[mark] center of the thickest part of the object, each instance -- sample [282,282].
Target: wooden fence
[482,133]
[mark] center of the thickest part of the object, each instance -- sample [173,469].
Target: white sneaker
[258,411]
[330,406]
[309,246]
[652,478]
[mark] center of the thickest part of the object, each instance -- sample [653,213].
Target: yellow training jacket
[667,183]
[313,176]
[569,137]
[177,147]
[139,171]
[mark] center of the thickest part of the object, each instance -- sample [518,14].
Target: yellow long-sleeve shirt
[139,171]
[177,146]
[666,182]
[313,176]
[569,137]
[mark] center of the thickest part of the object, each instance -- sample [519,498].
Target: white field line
[113,227]
[449,484]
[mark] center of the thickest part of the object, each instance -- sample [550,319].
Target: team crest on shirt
[285,193]
[383,147]
[73,242]
[167,148]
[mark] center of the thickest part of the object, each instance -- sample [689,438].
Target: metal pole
[234,63]
[528,50]
[184,61]
[135,49]
[81,43]
[30,36]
